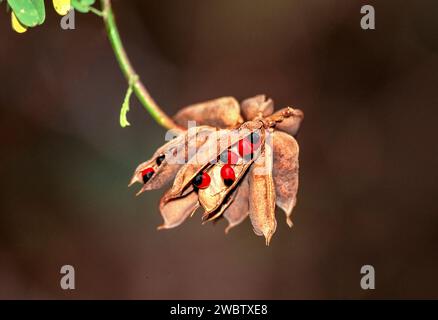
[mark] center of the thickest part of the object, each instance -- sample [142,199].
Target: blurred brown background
[368,150]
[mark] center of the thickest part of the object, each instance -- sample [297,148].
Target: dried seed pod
[287,120]
[157,181]
[209,154]
[232,173]
[168,159]
[200,161]
[177,210]
[262,195]
[285,172]
[221,113]
[237,211]
[211,198]
[257,107]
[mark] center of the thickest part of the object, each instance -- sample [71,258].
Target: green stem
[131,76]
[96,12]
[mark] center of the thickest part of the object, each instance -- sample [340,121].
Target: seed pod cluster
[238,161]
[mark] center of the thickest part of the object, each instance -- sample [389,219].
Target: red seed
[245,148]
[202,180]
[254,139]
[147,174]
[228,175]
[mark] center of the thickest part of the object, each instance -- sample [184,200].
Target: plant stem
[131,76]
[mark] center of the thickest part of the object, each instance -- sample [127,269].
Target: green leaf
[82,5]
[39,6]
[29,12]
[125,108]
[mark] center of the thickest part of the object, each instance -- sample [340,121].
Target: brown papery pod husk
[198,162]
[221,113]
[238,210]
[285,172]
[227,201]
[175,211]
[212,197]
[257,106]
[208,154]
[262,195]
[175,152]
[174,143]
[288,120]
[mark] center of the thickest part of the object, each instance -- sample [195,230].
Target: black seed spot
[147,176]
[228,182]
[160,159]
[197,181]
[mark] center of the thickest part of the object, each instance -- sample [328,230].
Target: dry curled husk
[266,180]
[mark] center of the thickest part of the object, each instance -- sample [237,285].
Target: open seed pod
[221,184]
[230,166]
[168,159]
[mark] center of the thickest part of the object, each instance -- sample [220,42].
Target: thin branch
[131,76]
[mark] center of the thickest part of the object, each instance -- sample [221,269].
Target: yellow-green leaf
[125,108]
[62,7]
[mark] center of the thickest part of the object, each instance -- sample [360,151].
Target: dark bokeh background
[368,150]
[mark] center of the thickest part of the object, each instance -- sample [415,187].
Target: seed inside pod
[168,159]
[245,148]
[160,159]
[228,175]
[202,180]
[248,145]
[147,174]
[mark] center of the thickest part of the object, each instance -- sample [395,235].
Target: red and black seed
[201,180]
[147,174]
[228,175]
